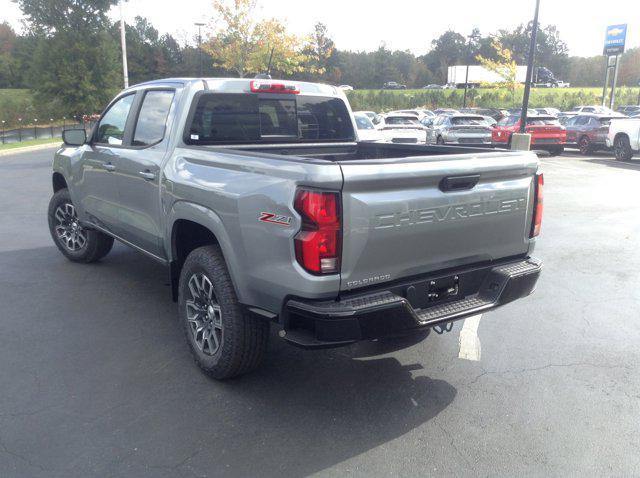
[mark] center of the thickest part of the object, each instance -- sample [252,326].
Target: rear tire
[622,148]
[585,146]
[224,340]
[77,243]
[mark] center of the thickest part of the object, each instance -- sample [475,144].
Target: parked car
[459,129]
[495,113]
[370,114]
[401,127]
[209,178]
[629,110]
[392,85]
[565,116]
[346,87]
[546,132]
[548,111]
[601,110]
[588,132]
[518,112]
[490,121]
[433,87]
[419,113]
[366,130]
[624,137]
[445,111]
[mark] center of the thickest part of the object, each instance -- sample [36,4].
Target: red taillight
[538,200]
[318,242]
[266,86]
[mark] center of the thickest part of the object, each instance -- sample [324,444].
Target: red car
[546,132]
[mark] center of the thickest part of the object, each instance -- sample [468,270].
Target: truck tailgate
[408,216]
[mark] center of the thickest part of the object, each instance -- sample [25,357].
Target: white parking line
[469,341]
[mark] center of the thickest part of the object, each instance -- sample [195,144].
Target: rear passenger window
[152,120]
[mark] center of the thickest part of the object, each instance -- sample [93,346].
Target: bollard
[35,128]
[520,142]
[51,126]
[2,131]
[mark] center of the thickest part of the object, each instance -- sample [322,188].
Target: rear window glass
[400,120]
[474,120]
[363,122]
[248,118]
[508,121]
[543,121]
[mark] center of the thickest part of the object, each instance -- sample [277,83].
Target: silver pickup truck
[266,209]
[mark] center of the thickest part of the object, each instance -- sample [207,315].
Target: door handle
[459,183]
[109,166]
[148,175]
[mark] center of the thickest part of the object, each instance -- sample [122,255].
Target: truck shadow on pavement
[111,388]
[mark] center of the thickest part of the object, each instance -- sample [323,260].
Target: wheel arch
[191,226]
[621,134]
[58,181]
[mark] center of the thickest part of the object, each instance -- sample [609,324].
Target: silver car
[459,129]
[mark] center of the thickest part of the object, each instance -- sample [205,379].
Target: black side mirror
[74,137]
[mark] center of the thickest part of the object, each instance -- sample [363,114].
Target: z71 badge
[274,219]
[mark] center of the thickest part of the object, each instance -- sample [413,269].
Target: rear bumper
[403,308]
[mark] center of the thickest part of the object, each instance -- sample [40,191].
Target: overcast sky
[401,24]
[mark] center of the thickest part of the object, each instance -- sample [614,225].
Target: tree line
[69,53]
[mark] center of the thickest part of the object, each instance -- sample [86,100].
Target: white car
[366,130]
[624,137]
[370,114]
[419,112]
[600,110]
[401,128]
[346,87]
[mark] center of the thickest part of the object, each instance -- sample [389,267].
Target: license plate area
[439,290]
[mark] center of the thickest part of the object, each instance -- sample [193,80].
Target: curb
[26,149]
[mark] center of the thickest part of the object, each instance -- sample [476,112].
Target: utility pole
[200,25]
[615,81]
[527,85]
[123,42]
[466,76]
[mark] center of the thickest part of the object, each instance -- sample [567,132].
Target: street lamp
[466,77]
[123,43]
[527,85]
[200,25]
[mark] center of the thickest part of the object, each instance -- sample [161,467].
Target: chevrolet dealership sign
[615,39]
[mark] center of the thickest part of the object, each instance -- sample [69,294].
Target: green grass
[561,98]
[32,142]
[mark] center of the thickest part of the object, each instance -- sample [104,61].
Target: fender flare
[185,210]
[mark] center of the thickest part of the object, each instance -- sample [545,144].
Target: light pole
[527,85]
[2,131]
[200,25]
[123,43]
[466,76]
[35,128]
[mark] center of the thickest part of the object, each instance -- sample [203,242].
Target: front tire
[622,148]
[224,340]
[77,243]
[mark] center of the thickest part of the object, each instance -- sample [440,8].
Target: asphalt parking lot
[96,379]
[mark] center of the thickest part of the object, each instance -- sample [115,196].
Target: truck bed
[351,151]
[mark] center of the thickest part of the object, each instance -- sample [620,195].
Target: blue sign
[615,39]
